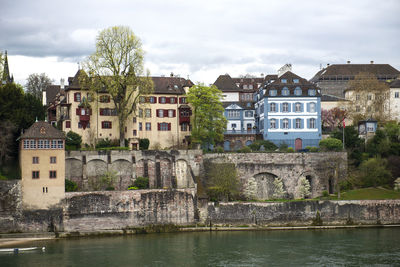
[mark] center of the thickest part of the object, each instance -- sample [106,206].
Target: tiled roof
[42,130]
[395,84]
[240,104]
[170,85]
[354,69]
[226,84]
[254,81]
[51,93]
[331,98]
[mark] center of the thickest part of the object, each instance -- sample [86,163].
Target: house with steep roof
[42,163]
[288,111]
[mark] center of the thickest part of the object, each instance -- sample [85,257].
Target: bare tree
[334,167]
[37,83]
[117,67]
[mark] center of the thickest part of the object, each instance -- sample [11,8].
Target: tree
[279,190]
[332,118]
[250,189]
[73,140]
[330,144]
[374,172]
[223,183]
[208,121]
[304,187]
[369,98]
[37,83]
[117,67]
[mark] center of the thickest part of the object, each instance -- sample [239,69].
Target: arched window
[298,124]
[297,91]
[285,91]
[312,107]
[312,123]
[272,123]
[285,107]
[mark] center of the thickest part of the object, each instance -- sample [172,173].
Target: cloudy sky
[203,39]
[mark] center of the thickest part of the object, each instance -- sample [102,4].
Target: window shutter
[281,123]
[169,126]
[180,100]
[167,100]
[281,107]
[158,126]
[174,113]
[301,124]
[77,111]
[293,106]
[157,110]
[289,108]
[110,124]
[301,108]
[102,124]
[308,107]
[165,112]
[308,123]
[90,111]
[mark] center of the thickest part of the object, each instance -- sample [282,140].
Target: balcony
[252,131]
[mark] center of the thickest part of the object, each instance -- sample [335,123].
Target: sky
[203,39]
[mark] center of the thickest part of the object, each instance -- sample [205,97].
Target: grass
[370,194]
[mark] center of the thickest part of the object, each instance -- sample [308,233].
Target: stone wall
[165,169]
[321,169]
[304,212]
[94,211]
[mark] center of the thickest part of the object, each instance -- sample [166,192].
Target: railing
[252,131]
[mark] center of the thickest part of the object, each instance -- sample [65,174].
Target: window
[312,123]
[295,80]
[53,144]
[272,92]
[106,125]
[358,109]
[312,107]
[148,113]
[53,174]
[285,91]
[164,126]
[184,127]
[285,124]
[233,113]
[172,100]
[32,144]
[140,113]
[396,94]
[357,97]
[79,125]
[45,190]
[272,107]
[104,99]
[283,81]
[272,123]
[162,100]
[262,109]
[244,86]
[171,113]
[298,124]
[46,144]
[26,144]
[35,174]
[248,113]
[68,124]
[233,126]
[285,107]
[182,100]
[153,99]
[298,91]
[297,107]
[77,97]
[148,126]
[140,126]
[108,112]
[185,113]
[134,133]
[134,119]
[250,86]
[40,144]
[60,144]
[369,97]
[35,160]
[311,92]
[142,99]
[53,160]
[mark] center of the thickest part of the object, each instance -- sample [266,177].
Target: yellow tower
[42,163]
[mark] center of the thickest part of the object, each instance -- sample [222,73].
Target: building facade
[288,111]
[394,100]
[162,116]
[42,163]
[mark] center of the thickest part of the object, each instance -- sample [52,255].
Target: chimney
[348,61]
[62,83]
[328,65]
[372,62]
[262,75]
[172,74]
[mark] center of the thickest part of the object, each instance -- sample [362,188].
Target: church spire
[6,72]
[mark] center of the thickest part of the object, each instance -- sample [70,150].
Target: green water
[343,247]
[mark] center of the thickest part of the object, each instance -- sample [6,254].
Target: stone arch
[123,169]
[95,169]
[238,144]
[166,174]
[227,145]
[248,142]
[74,171]
[265,186]
[181,173]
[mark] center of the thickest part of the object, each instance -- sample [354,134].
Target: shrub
[314,149]
[373,172]
[110,188]
[107,143]
[141,183]
[325,193]
[219,149]
[131,187]
[290,150]
[268,145]
[283,147]
[144,143]
[245,149]
[70,186]
[331,144]
[304,187]
[73,141]
[223,183]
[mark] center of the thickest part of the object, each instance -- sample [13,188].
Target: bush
[73,141]
[283,147]
[141,183]
[268,146]
[312,148]
[373,172]
[70,186]
[290,150]
[107,143]
[245,149]
[110,188]
[131,187]
[219,149]
[325,193]
[331,144]
[223,182]
[144,144]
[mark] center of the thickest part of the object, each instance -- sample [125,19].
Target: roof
[240,104]
[170,85]
[42,130]
[226,84]
[51,93]
[331,98]
[381,70]
[395,84]
[246,81]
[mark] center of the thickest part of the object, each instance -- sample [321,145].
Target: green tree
[330,144]
[279,190]
[144,143]
[141,183]
[117,67]
[36,84]
[223,183]
[70,186]
[208,121]
[73,140]
[374,172]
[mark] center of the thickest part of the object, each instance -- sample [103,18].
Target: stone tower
[42,163]
[6,72]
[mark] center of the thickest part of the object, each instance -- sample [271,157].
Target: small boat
[17,250]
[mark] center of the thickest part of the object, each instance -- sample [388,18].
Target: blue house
[288,111]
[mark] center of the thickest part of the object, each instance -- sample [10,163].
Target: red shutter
[167,100]
[102,124]
[67,124]
[158,126]
[180,100]
[157,112]
[176,99]
[174,113]
[169,126]
[101,112]
[155,99]
[78,111]
[90,111]
[110,124]
[165,112]
[75,97]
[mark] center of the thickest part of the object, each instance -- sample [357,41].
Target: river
[343,247]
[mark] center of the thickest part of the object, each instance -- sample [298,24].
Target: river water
[339,247]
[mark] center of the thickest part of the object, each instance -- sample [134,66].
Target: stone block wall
[321,169]
[95,211]
[304,212]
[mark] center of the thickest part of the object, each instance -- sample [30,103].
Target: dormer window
[311,92]
[295,80]
[285,91]
[272,92]
[283,81]
[297,91]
